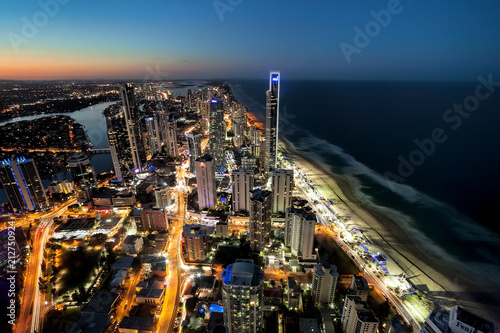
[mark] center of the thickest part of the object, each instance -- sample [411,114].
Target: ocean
[403,152]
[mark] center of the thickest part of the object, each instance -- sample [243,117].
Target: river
[95,124]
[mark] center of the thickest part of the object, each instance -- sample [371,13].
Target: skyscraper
[299,232]
[132,123]
[260,219]
[195,240]
[242,297]
[357,317]
[83,176]
[205,181]
[324,282]
[118,142]
[162,197]
[153,131]
[194,147]
[171,142]
[217,131]
[272,120]
[22,184]
[239,124]
[242,185]
[282,187]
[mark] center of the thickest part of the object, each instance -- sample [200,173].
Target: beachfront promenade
[406,266]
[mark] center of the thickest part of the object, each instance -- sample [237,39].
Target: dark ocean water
[360,130]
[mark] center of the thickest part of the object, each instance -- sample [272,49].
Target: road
[172,294]
[127,301]
[395,301]
[29,318]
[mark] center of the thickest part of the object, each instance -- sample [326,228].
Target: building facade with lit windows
[170,143]
[260,219]
[299,232]
[357,317]
[282,188]
[242,297]
[324,282]
[243,183]
[205,181]
[153,134]
[23,185]
[133,126]
[217,131]
[195,241]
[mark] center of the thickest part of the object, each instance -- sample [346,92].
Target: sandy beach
[443,284]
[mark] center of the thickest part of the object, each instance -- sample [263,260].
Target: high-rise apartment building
[83,177]
[162,197]
[133,125]
[118,142]
[260,219]
[205,181]
[282,188]
[22,184]
[217,132]
[153,133]
[243,183]
[171,142]
[359,287]
[272,120]
[195,241]
[194,147]
[324,282]
[299,232]
[357,317]
[242,297]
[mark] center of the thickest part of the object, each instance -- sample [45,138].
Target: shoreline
[443,284]
[446,283]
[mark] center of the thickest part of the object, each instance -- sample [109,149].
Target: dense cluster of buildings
[237,187]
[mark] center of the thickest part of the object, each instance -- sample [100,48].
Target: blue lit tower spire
[272,120]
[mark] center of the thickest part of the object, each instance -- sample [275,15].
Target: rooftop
[131,239]
[137,323]
[243,273]
[361,283]
[473,320]
[150,293]
[194,230]
[367,316]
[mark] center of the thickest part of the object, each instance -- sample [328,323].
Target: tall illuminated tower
[153,135]
[205,181]
[272,120]
[132,122]
[217,131]
[242,297]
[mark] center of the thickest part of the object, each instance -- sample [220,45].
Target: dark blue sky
[424,40]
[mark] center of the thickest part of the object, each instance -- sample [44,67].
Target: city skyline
[404,40]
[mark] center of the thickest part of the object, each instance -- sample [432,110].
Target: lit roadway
[29,318]
[371,278]
[172,292]
[129,296]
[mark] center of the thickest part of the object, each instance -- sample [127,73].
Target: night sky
[425,40]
